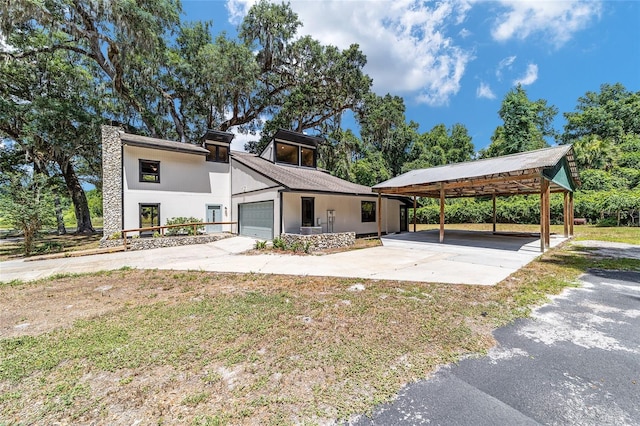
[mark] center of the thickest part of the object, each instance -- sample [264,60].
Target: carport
[542,172]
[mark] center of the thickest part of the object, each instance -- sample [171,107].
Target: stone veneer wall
[111,180]
[151,243]
[321,241]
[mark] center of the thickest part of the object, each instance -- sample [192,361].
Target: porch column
[441,213]
[379,214]
[415,205]
[494,213]
[565,213]
[571,213]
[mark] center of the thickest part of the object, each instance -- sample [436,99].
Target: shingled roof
[519,173]
[300,178]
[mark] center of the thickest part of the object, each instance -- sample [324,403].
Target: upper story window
[149,171]
[295,155]
[218,153]
[307,157]
[286,153]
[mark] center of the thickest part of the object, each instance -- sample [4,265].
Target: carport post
[415,204]
[494,213]
[547,212]
[379,214]
[565,213]
[571,213]
[543,216]
[441,213]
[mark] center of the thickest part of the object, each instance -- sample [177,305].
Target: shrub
[183,230]
[279,244]
[260,245]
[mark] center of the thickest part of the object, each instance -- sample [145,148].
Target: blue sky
[454,60]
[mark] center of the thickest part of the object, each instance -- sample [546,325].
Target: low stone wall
[151,243]
[321,241]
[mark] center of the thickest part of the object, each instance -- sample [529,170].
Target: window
[308,158]
[149,171]
[308,212]
[149,216]
[286,153]
[218,153]
[368,210]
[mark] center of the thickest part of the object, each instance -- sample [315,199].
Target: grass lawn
[206,348]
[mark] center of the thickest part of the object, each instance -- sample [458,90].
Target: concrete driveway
[575,362]
[465,258]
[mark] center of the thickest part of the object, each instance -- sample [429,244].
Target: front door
[214,214]
[404,219]
[308,212]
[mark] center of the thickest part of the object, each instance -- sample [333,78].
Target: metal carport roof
[534,172]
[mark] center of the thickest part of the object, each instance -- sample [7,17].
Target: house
[147,181]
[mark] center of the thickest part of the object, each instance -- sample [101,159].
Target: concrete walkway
[466,258]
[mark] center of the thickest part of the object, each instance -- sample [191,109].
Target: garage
[256,220]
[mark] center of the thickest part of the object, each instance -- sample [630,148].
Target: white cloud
[240,139]
[529,77]
[464,33]
[556,20]
[406,42]
[505,63]
[484,91]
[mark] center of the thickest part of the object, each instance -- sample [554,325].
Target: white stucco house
[147,181]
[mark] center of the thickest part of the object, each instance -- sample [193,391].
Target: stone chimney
[111,180]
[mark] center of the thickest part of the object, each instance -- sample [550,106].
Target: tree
[371,170]
[338,153]
[440,146]
[123,39]
[26,205]
[526,125]
[384,129]
[610,115]
[48,107]
[302,84]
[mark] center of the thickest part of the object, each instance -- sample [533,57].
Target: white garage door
[256,220]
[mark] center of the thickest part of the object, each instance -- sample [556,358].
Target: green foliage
[183,230]
[260,245]
[26,205]
[526,125]
[279,243]
[371,170]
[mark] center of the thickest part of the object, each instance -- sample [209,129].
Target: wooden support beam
[547,211]
[565,213]
[494,212]
[542,216]
[442,213]
[379,214]
[415,205]
[571,213]
[530,175]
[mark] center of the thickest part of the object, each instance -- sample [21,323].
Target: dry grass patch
[206,348]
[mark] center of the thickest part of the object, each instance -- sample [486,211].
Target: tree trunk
[78,197]
[59,218]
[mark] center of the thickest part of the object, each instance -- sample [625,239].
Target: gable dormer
[218,145]
[292,149]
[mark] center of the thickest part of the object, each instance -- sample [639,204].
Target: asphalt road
[575,362]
